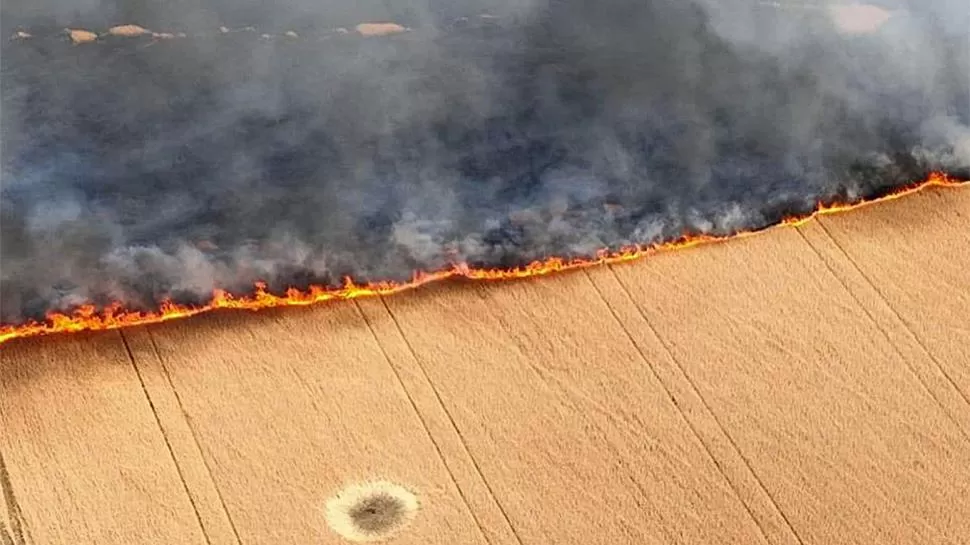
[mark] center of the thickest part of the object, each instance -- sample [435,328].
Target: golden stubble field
[806,386]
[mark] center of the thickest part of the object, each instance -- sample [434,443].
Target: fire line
[88,318]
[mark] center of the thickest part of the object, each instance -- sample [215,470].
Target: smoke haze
[141,169]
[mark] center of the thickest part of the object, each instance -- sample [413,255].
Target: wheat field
[809,385]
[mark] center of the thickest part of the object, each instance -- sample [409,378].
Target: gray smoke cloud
[493,132]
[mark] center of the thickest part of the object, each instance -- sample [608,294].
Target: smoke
[141,169]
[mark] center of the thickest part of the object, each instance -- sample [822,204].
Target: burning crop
[153,171]
[114,316]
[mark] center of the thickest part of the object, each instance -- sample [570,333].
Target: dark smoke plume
[136,169]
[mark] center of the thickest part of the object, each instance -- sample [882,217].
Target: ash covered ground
[138,170]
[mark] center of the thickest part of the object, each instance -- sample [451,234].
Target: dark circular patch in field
[371,511]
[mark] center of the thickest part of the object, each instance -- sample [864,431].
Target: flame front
[88,318]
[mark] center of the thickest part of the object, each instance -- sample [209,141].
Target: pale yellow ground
[806,386]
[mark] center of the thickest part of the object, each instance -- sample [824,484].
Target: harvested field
[808,385]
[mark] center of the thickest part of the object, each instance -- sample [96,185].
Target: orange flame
[88,318]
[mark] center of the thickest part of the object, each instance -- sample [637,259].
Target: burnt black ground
[136,170]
